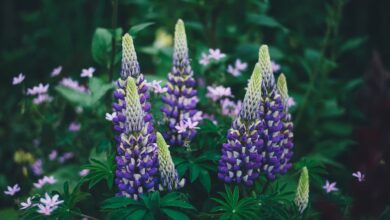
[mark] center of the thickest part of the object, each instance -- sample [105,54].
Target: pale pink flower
[40,89]
[110,117]
[84,172]
[360,176]
[275,67]
[204,60]
[18,79]
[191,124]
[217,92]
[290,102]
[12,190]
[56,71]
[216,54]
[45,180]
[51,201]
[181,127]
[197,116]
[233,71]
[36,167]
[87,72]
[66,156]
[74,126]
[330,187]
[45,210]
[41,98]
[230,108]
[27,204]
[156,87]
[73,84]
[53,155]
[241,66]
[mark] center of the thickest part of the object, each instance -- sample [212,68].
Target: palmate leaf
[149,206]
[100,170]
[232,207]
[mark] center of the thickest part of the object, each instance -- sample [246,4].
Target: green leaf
[139,27]
[137,215]
[194,172]
[352,44]
[75,97]
[101,46]
[205,180]
[266,21]
[118,202]
[175,215]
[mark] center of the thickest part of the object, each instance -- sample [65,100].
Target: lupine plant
[209,129]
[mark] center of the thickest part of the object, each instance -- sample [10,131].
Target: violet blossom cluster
[137,162]
[261,137]
[180,100]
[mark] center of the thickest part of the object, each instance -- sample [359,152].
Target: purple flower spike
[180,99]
[241,158]
[137,161]
[277,134]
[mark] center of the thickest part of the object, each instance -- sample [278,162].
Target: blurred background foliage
[323,47]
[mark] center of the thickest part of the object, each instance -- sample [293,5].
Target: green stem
[265,187]
[114,19]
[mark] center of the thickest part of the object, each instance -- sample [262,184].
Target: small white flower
[18,79]
[204,60]
[241,66]
[87,72]
[275,67]
[12,190]
[41,98]
[45,210]
[216,54]
[360,176]
[181,127]
[110,117]
[51,201]
[233,71]
[330,187]
[56,71]
[27,204]
[49,179]
[40,89]
[84,172]
[191,124]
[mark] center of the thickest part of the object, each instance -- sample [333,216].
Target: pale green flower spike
[130,66]
[252,97]
[180,47]
[282,88]
[266,68]
[169,177]
[133,111]
[302,195]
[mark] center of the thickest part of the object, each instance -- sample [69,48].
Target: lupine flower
[136,159]
[26,204]
[275,67]
[110,117]
[12,190]
[360,176]
[84,172]
[36,167]
[237,68]
[217,92]
[216,54]
[41,98]
[53,155]
[168,175]
[56,71]
[230,108]
[330,187]
[74,126]
[18,79]
[73,84]
[241,155]
[276,135]
[286,143]
[36,90]
[87,72]
[180,100]
[302,194]
[204,60]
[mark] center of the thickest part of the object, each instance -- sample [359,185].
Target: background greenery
[323,47]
